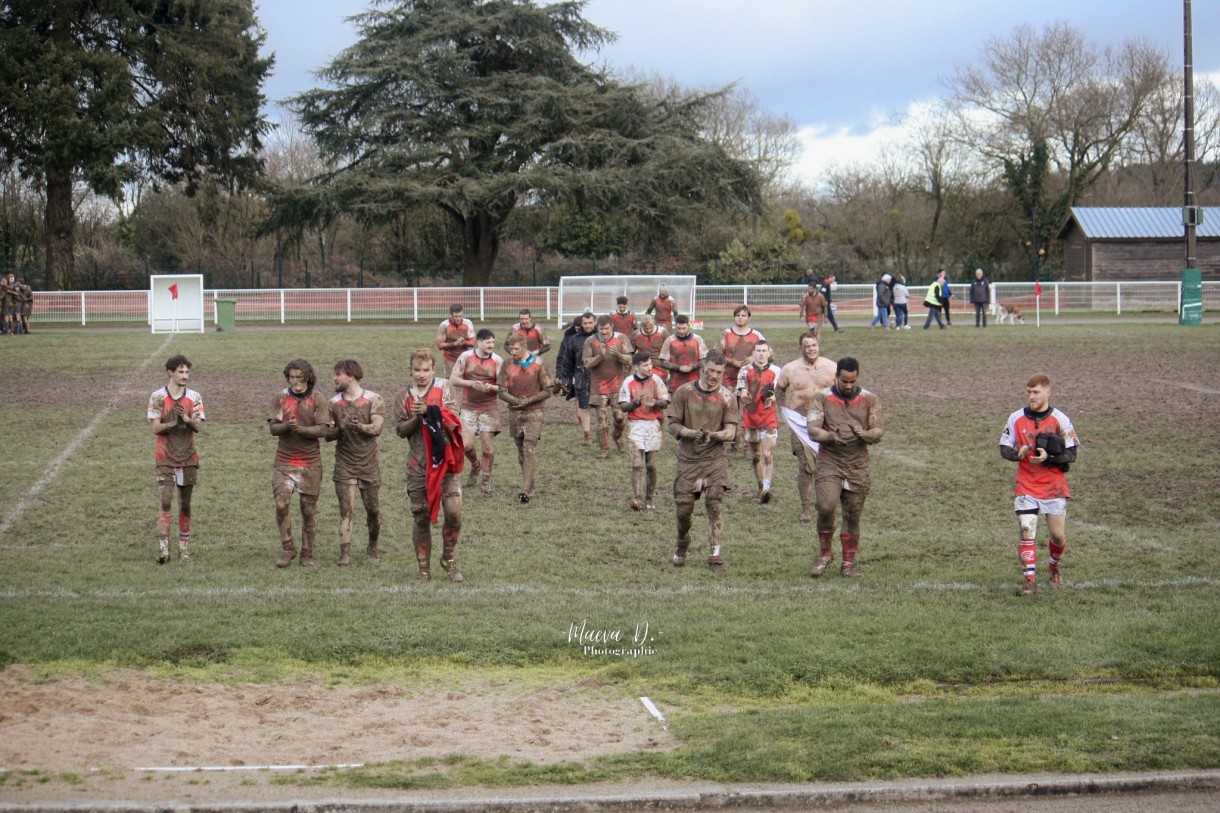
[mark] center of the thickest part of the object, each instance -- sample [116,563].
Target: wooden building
[1123,244]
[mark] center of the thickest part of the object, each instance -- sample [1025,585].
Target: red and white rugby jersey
[751,382]
[177,446]
[634,389]
[1038,480]
[473,367]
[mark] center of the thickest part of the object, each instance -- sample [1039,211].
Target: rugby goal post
[175,303]
[599,294]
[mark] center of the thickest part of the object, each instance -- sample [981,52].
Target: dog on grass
[1008,313]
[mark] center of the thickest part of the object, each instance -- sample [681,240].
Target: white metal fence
[502,304]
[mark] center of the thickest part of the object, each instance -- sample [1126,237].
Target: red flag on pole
[1037,288]
[173,291]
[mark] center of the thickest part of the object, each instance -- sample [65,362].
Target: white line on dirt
[52,470]
[835,586]
[655,712]
[192,769]
[1185,386]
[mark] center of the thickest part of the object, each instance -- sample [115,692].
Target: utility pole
[1190,212]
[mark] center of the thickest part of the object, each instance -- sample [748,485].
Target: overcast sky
[841,69]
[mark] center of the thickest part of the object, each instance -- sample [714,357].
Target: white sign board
[175,303]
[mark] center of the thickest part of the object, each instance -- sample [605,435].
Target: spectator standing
[932,301]
[883,298]
[902,296]
[980,297]
[946,294]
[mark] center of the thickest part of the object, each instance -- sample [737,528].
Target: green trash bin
[1190,308]
[226,315]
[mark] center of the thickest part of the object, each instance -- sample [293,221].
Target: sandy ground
[74,739]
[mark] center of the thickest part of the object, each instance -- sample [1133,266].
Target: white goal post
[175,303]
[599,294]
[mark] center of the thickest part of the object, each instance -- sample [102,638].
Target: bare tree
[1053,87]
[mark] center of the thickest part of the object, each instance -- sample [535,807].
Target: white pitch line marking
[192,769]
[655,712]
[24,501]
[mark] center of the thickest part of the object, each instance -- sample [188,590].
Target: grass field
[928,665]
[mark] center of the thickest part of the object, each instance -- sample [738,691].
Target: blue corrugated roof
[1135,222]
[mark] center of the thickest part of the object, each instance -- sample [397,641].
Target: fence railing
[286,305]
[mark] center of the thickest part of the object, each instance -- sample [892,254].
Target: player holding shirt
[664,306]
[176,415]
[299,416]
[475,372]
[799,381]
[651,339]
[759,416]
[1042,442]
[535,337]
[703,416]
[524,384]
[607,357]
[681,352]
[454,336]
[424,415]
[846,419]
[643,399]
[357,416]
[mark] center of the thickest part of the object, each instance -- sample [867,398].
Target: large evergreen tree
[475,106]
[107,91]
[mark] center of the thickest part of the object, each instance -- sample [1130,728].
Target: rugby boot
[290,553]
[423,575]
[184,551]
[307,554]
[650,505]
[679,559]
[1056,576]
[345,555]
[819,567]
[848,570]
[472,479]
[715,563]
[374,552]
[1029,588]
[451,568]
[163,551]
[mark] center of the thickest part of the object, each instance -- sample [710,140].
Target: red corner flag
[173,291]
[1037,288]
